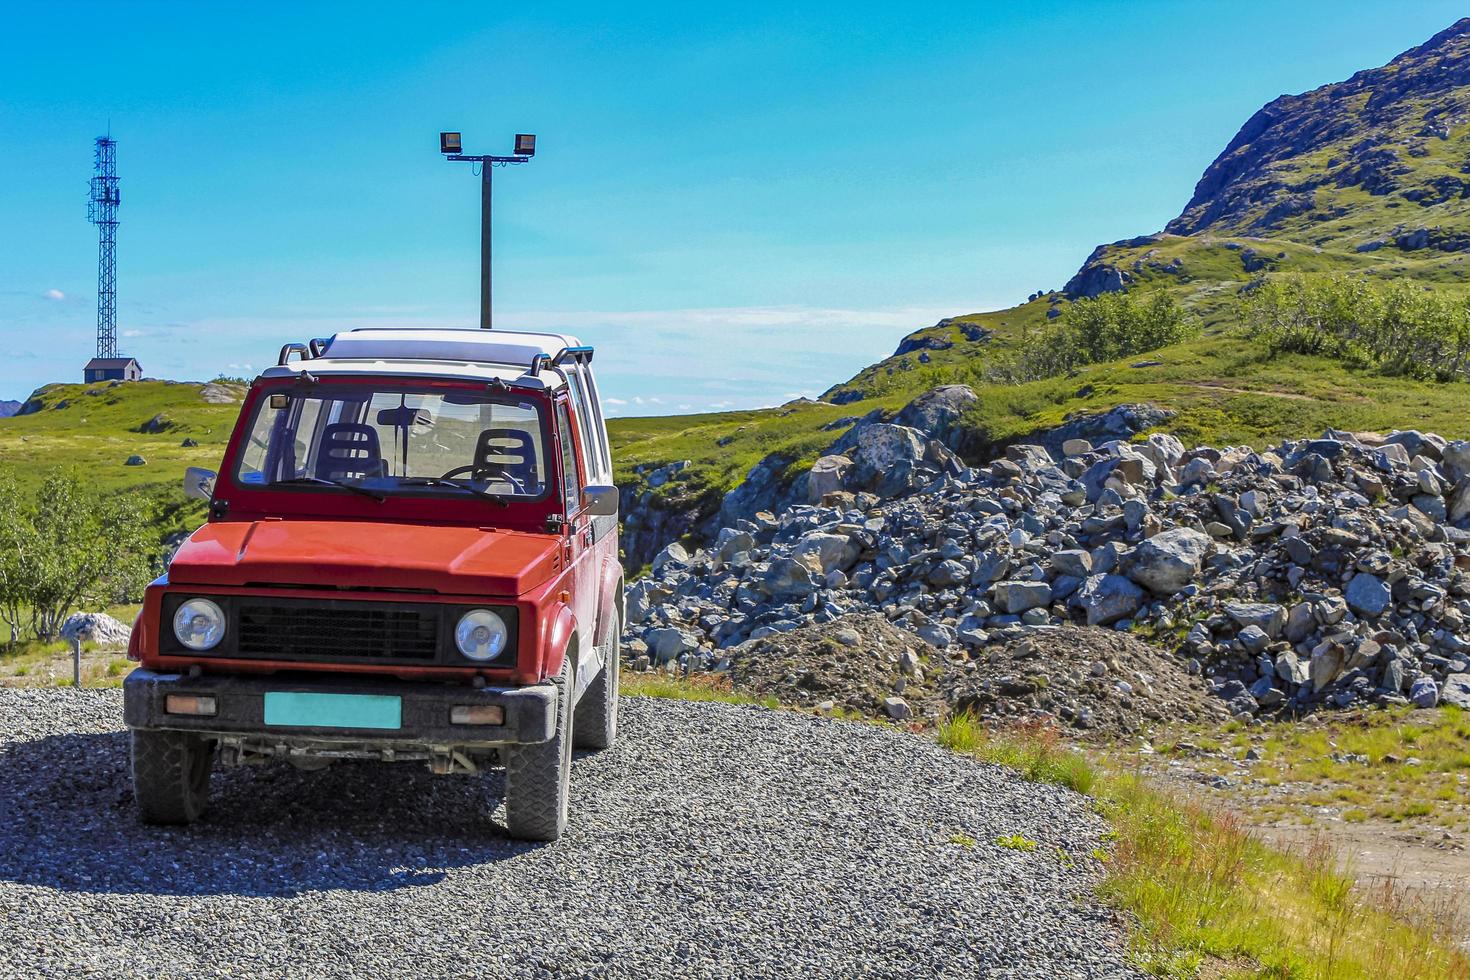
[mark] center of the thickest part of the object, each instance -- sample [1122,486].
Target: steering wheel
[515,482]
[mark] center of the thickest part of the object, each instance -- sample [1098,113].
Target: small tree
[67,546]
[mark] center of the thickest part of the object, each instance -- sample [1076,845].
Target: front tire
[538,776]
[597,712]
[171,776]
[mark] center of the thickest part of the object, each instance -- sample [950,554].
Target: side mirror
[199,483]
[600,501]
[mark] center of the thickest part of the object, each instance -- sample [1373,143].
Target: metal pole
[485,245]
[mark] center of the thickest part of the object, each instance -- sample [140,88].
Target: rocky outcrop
[1096,277]
[1368,130]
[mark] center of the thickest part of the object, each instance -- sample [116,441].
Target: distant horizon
[736,209]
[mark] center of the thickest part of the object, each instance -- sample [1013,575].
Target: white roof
[483,346]
[479,355]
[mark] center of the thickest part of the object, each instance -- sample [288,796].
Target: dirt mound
[1085,678]
[1088,678]
[856,663]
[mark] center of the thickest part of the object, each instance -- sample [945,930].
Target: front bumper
[530,712]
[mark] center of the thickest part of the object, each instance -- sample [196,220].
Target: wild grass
[1035,751]
[1201,889]
[1394,765]
[681,687]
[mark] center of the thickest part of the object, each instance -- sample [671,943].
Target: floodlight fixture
[452,147]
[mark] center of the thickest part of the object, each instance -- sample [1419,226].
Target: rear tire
[171,776]
[538,776]
[597,713]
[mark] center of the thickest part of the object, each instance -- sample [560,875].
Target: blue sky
[736,203]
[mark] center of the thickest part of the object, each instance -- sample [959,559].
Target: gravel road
[713,841]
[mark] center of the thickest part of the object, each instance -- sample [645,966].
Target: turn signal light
[477,714]
[188,704]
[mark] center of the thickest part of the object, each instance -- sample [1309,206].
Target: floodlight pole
[485,246]
[486,163]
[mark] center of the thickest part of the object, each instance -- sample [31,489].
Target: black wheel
[171,776]
[538,776]
[597,713]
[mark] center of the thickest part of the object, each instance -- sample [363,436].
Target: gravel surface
[712,841]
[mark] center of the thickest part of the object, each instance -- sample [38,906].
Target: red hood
[451,560]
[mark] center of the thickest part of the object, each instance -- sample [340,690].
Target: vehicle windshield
[390,440]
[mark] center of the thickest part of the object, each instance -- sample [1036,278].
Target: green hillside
[96,428]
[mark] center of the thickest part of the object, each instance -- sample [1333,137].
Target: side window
[596,397]
[571,490]
[584,425]
[597,445]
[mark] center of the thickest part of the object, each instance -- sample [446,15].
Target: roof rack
[582,355]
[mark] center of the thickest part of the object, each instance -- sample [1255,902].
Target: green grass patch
[1016,842]
[1039,756]
[1203,891]
[679,687]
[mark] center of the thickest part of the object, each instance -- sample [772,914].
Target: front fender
[558,628]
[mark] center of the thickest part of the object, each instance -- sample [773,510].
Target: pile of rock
[1332,570]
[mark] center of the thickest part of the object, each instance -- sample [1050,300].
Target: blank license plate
[299,710]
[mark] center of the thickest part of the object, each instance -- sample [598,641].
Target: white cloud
[132,333]
[54,294]
[615,401]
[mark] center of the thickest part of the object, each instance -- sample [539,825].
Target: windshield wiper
[436,481]
[318,481]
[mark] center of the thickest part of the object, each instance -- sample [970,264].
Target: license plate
[306,710]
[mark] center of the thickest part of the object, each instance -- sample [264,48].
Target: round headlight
[199,624]
[480,635]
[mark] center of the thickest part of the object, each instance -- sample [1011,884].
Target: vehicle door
[598,459]
[581,576]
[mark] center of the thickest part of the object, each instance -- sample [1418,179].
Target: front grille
[356,631]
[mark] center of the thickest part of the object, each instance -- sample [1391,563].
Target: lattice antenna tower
[102,204]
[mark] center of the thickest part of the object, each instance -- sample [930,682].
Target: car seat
[507,455]
[349,450]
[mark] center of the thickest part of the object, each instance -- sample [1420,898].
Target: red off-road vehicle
[411,554]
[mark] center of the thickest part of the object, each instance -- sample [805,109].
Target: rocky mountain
[1385,151]
[9,408]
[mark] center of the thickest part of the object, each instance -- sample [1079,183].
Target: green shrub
[1090,331]
[1396,327]
[64,545]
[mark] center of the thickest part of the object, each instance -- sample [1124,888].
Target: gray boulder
[823,552]
[937,412]
[882,447]
[1072,562]
[667,643]
[98,628]
[1166,562]
[827,475]
[1424,692]
[1456,691]
[1017,597]
[789,577]
[672,553]
[1270,619]
[1108,598]
[1368,595]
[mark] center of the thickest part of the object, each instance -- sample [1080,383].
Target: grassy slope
[93,428]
